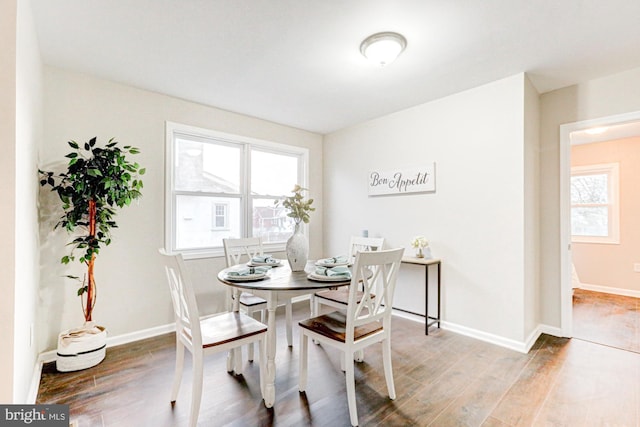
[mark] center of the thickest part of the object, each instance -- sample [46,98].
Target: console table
[429,320]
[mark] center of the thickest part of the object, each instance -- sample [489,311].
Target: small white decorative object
[419,243]
[297,250]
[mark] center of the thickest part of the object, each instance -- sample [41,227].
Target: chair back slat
[365,244]
[183,297]
[375,273]
[237,249]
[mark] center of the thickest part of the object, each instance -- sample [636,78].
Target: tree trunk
[91,291]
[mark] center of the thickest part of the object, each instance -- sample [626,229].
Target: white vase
[297,250]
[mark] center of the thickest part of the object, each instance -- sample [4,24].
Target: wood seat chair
[203,336]
[337,298]
[364,322]
[239,250]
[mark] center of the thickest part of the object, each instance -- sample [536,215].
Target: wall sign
[403,181]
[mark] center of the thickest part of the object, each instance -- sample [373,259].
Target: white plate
[262,264]
[322,278]
[246,278]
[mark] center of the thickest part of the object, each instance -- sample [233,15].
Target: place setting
[324,273]
[247,274]
[341,260]
[264,260]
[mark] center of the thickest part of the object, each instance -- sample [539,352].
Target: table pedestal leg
[270,389]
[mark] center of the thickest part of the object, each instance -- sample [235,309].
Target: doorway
[607,315]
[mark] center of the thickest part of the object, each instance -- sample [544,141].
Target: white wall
[532,207]
[132,290]
[607,96]
[8,28]
[28,135]
[475,221]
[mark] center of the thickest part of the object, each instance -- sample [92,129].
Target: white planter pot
[81,348]
[297,250]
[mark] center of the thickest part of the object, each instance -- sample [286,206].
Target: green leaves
[298,208]
[102,174]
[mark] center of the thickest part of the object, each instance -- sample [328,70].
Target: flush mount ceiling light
[383,48]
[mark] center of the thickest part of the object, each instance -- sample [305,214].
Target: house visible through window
[219,216]
[221,185]
[594,204]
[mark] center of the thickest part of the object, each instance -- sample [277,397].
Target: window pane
[589,221]
[220,216]
[273,174]
[207,167]
[270,222]
[589,189]
[195,225]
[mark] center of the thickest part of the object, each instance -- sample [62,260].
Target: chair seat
[340,295]
[333,325]
[228,327]
[251,300]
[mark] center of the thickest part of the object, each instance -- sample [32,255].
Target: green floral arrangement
[298,207]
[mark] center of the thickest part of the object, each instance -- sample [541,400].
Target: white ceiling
[297,62]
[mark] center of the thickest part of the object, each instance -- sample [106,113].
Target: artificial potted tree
[97,181]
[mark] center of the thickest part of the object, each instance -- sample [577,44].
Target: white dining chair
[337,298]
[203,336]
[367,320]
[239,250]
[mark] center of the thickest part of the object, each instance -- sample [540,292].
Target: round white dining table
[279,283]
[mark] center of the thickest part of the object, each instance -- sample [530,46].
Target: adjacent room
[347,213]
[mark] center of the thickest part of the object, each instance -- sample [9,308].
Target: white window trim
[170,207]
[613,194]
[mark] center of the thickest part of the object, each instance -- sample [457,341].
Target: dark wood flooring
[443,379]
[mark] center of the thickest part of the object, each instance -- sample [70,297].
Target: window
[221,185]
[594,204]
[220,216]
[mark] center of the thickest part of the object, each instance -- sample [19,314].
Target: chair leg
[250,346]
[289,320]
[315,306]
[388,372]
[177,377]
[237,365]
[230,360]
[302,375]
[312,306]
[196,391]
[262,363]
[351,387]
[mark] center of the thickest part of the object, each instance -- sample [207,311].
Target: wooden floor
[607,319]
[443,379]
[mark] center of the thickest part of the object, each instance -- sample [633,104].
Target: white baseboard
[522,347]
[32,395]
[518,346]
[610,290]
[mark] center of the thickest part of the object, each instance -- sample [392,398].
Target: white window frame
[171,129]
[612,170]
